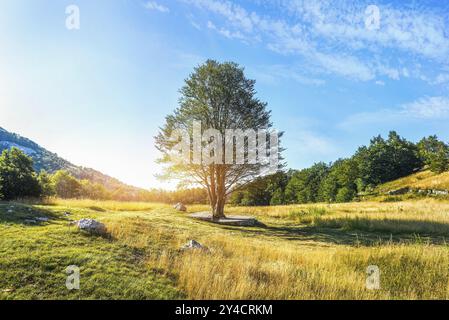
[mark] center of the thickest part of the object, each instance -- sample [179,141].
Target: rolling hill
[51,162]
[425,182]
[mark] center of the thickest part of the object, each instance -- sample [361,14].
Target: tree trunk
[213,205]
[218,208]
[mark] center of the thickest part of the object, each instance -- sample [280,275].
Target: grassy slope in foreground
[306,252]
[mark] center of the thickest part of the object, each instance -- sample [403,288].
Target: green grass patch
[307,215]
[34,258]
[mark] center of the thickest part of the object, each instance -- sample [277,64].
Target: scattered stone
[91,226]
[67,213]
[180,207]
[42,219]
[7,290]
[193,245]
[398,192]
[10,211]
[30,221]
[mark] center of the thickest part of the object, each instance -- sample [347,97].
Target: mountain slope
[51,162]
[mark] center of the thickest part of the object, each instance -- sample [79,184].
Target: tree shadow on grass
[28,215]
[355,232]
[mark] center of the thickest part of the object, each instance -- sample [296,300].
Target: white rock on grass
[180,207]
[91,226]
[194,245]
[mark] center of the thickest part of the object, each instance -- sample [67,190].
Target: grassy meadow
[303,252]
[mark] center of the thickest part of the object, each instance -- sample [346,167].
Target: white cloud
[282,38]
[234,13]
[405,72]
[224,32]
[423,32]
[391,73]
[427,108]
[153,5]
[333,39]
[274,73]
[347,66]
[193,22]
[442,78]
[309,142]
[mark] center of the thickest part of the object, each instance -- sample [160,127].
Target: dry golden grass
[249,263]
[315,251]
[421,180]
[100,205]
[426,216]
[411,208]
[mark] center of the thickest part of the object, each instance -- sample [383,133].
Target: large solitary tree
[221,98]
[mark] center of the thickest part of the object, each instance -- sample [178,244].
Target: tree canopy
[381,161]
[17,176]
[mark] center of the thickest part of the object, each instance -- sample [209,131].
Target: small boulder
[193,245]
[42,219]
[398,192]
[8,290]
[91,226]
[180,207]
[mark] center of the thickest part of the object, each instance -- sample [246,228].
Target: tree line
[381,161]
[18,180]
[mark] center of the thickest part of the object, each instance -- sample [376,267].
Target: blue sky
[97,95]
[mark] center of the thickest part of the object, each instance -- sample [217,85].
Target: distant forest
[381,161]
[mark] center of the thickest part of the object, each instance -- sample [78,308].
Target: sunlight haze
[97,96]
